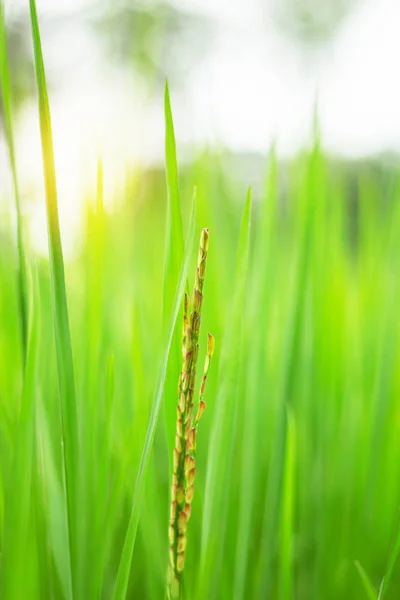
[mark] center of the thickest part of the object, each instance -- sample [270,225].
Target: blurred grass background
[298,450]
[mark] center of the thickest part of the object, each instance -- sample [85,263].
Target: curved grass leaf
[223,434]
[121,584]
[68,410]
[366,582]
[291,341]
[173,259]
[53,503]
[174,233]
[261,296]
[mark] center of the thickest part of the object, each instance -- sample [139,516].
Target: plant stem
[184,462]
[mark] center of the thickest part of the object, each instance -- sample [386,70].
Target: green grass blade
[393,556]
[121,584]
[18,505]
[174,228]
[366,582]
[104,475]
[290,344]
[224,426]
[68,409]
[286,552]
[259,301]
[5,89]
[173,259]
[53,504]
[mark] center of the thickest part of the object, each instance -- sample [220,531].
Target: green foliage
[368,587]
[297,473]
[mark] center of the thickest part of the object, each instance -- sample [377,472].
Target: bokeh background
[243,75]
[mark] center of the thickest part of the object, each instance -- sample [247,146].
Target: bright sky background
[254,87]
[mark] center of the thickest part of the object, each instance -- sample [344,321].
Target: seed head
[184,464]
[182,522]
[171,535]
[204,240]
[179,427]
[188,427]
[202,408]
[186,304]
[196,325]
[190,477]
[180,563]
[173,492]
[192,440]
[197,301]
[210,344]
[184,387]
[203,384]
[189,463]
[172,557]
[188,510]
[189,494]
[182,543]
[180,494]
[201,269]
[189,420]
[176,460]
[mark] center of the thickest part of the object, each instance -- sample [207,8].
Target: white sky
[253,88]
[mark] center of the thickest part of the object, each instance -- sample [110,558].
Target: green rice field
[297,487]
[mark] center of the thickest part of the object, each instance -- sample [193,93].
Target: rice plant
[184,456]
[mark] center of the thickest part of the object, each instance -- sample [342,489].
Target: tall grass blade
[286,550]
[174,244]
[68,408]
[104,475]
[221,447]
[53,503]
[121,584]
[292,336]
[261,297]
[174,229]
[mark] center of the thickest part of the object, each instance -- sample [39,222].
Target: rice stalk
[184,454]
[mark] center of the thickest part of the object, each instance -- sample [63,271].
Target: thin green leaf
[174,229]
[173,260]
[216,500]
[121,584]
[393,556]
[261,296]
[291,341]
[53,504]
[366,582]
[68,409]
[286,552]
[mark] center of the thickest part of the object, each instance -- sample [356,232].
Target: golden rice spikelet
[184,454]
